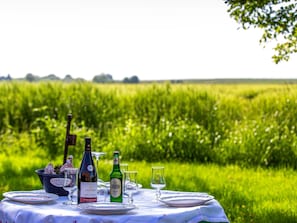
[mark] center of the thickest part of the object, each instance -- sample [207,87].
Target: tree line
[100,78]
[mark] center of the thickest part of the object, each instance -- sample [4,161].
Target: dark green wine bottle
[116,180]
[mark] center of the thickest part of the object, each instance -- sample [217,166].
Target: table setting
[139,204]
[79,195]
[174,206]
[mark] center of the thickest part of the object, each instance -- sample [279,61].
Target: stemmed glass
[158,180]
[124,168]
[97,155]
[70,183]
[102,189]
[131,185]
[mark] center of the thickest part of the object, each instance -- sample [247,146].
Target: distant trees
[30,77]
[107,78]
[7,78]
[68,78]
[102,78]
[133,80]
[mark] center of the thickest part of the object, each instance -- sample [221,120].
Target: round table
[146,211]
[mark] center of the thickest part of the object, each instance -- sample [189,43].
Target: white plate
[30,197]
[186,200]
[106,208]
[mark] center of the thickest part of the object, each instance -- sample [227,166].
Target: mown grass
[246,194]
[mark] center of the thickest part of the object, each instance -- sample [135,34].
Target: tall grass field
[237,142]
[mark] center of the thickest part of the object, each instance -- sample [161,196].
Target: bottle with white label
[116,180]
[87,176]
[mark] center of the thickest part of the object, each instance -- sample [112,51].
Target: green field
[237,142]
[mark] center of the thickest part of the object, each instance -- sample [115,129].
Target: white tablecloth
[146,211]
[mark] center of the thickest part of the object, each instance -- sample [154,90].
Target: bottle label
[90,168]
[115,187]
[88,192]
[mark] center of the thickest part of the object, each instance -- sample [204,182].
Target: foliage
[102,78]
[277,19]
[132,80]
[247,125]
[245,136]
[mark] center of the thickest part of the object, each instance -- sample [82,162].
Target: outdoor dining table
[146,210]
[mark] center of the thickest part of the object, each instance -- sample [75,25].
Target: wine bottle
[116,180]
[87,176]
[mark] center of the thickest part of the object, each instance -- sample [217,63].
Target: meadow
[237,142]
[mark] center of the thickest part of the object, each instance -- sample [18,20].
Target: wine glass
[101,186]
[158,180]
[124,168]
[131,185]
[97,155]
[70,183]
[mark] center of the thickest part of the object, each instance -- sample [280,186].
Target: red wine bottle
[87,176]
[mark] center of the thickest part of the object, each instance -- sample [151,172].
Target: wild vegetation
[237,142]
[240,124]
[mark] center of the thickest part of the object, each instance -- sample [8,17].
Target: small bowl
[52,183]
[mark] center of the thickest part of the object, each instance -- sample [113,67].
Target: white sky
[152,39]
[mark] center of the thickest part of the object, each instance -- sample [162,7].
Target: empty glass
[158,180]
[131,185]
[97,155]
[70,183]
[124,168]
[101,185]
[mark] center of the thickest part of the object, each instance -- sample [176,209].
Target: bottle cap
[88,140]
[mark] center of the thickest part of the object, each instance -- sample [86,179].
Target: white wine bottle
[87,176]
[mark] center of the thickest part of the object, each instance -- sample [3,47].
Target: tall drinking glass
[158,180]
[131,185]
[70,183]
[101,186]
[97,156]
[124,168]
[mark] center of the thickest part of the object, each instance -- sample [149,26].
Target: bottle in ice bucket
[116,180]
[87,176]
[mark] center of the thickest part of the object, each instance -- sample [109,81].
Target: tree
[102,78]
[133,80]
[30,77]
[51,77]
[277,19]
[68,78]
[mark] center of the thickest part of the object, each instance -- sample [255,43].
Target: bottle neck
[116,163]
[87,144]
[88,148]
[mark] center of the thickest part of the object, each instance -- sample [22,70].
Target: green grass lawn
[247,195]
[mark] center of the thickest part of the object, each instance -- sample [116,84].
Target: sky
[151,39]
